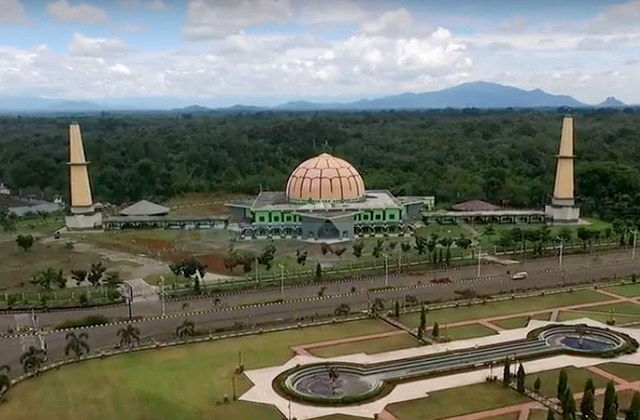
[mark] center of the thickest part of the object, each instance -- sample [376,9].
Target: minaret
[80,200]
[83,212]
[562,208]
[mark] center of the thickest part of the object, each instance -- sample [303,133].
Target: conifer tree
[550,415]
[562,384]
[587,404]
[506,375]
[435,332]
[520,379]
[633,412]
[568,406]
[610,408]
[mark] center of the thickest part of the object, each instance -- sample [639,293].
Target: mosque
[325,199]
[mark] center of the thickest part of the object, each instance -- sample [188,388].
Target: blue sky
[221,52]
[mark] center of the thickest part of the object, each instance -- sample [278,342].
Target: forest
[501,156]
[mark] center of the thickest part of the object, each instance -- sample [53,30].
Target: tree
[378,248]
[95,273]
[587,409]
[77,344]
[33,359]
[423,318]
[405,247]
[489,232]
[506,374]
[420,244]
[129,336]
[79,276]
[610,407]
[48,278]
[435,331]
[339,251]
[520,379]
[536,385]
[301,259]
[112,279]
[25,242]
[358,247]
[326,248]
[632,413]
[186,329]
[5,382]
[584,235]
[562,384]
[267,256]
[318,271]
[550,415]
[568,406]
[396,310]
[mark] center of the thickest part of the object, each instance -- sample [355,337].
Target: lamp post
[281,281]
[635,237]
[561,248]
[479,259]
[162,304]
[130,299]
[386,270]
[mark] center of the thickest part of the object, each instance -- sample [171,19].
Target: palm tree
[77,344]
[5,382]
[33,359]
[186,329]
[129,336]
[489,232]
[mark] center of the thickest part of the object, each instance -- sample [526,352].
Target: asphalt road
[304,301]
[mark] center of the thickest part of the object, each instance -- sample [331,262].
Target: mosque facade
[325,199]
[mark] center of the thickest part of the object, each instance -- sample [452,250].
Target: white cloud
[12,12]
[142,4]
[395,24]
[83,46]
[120,68]
[211,19]
[617,17]
[319,12]
[515,24]
[85,13]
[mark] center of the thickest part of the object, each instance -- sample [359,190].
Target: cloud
[142,4]
[395,24]
[83,46]
[82,12]
[319,12]
[616,17]
[12,12]
[214,19]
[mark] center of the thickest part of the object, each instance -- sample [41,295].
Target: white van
[520,276]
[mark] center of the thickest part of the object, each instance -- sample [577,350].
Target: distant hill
[466,95]
[36,104]
[611,102]
[193,109]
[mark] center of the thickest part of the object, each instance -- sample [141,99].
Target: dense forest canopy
[454,155]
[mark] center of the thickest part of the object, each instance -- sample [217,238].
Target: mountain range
[467,95]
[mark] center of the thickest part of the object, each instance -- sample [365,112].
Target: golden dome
[325,178]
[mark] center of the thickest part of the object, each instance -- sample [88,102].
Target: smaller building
[21,206]
[4,190]
[147,215]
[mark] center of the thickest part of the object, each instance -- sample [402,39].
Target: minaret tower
[562,208]
[83,212]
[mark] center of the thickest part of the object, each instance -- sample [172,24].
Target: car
[520,276]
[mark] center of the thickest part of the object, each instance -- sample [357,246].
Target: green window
[378,216]
[276,218]
[365,217]
[261,219]
[392,216]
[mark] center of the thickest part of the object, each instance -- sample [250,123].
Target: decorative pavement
[263,392]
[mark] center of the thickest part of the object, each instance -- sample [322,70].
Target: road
[305,302]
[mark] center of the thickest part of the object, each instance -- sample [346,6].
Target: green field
[596,316]
[513,306]
[627,290]
[623,308]
[376,345]
[466,331]
[576,380]
[520,321]
[448,402]
[183,383]
[623,370]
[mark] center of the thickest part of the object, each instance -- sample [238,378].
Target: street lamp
[561,247]
[479,259]
[162,304]
[386,270]
[130,299]
[281,281]
[635,237]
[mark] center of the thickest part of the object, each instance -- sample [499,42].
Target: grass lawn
[465,331]
[340,417]
[513,306]
[622,370]
[178,383]
[508,416]
[596,316]
[376,345]
[576,379]
[627,290]
[624,308]
[520,321]
[456,401]
[538,415]
[34,226]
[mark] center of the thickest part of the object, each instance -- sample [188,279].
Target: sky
[265,52]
